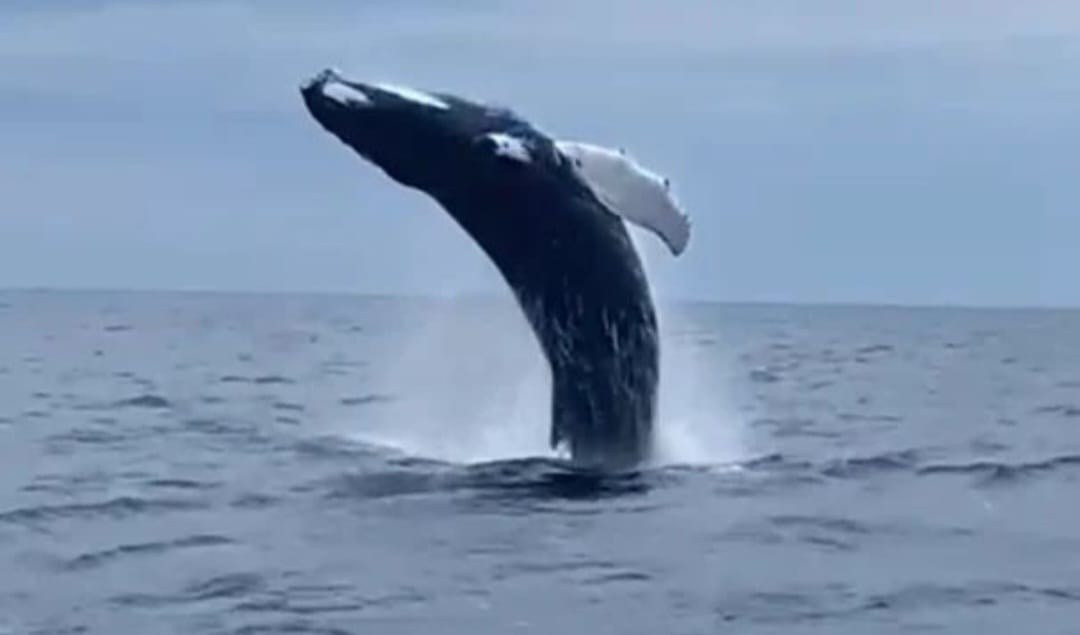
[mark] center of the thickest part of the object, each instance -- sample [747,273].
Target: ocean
[213,463]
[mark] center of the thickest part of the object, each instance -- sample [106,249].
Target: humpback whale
[550,215]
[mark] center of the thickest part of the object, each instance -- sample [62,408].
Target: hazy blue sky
[910,151]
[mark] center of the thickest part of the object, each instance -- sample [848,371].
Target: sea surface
[211,463]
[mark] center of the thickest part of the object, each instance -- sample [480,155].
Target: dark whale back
[576,274]
[569,261]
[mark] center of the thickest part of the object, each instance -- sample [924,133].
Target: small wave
[87,435]
[619,577]
[518,481]
[365,399]
[857,467]
[208,426]
[1065,410]
[826,523]
[228,586]
[514,569]
[544,478]
[224,586]
[233,379]
[794,428]
[996,472]
[273,380]
[325,448]
[254,501]
[763,376]
[842,602]
[874,348]
[181,484]
[777,461]
[99,558]
[833,533]
[116,508]
[303,601]
[289,626]
[147,400]
[118,328]
[974,594]
[287,406]
[386,484]
[855,416]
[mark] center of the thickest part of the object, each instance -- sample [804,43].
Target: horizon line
[506,295]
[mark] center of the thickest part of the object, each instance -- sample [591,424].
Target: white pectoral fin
[630,191]
[660,216]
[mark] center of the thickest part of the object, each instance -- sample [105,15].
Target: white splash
[345,95]
[630,191]
[696,423]
[468,384]
[413,95]
[510,147]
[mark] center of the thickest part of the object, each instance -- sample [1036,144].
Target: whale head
[412,135]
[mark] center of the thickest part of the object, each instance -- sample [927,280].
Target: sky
[901,152]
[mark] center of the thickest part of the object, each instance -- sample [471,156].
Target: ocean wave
[1000,472]
[1065,410]
[365,400]
[225,586]
[858,467]
[114,508]
[146,400]
[99,558]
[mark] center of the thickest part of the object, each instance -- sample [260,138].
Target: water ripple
[115,508]
[147,400]
[99,558]
[227,586]
[998,472]
[859,467]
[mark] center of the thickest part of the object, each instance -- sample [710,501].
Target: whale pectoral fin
[630,191]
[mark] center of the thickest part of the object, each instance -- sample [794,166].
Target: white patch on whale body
[345,95]
[630,191]
[413,95]
[510,147]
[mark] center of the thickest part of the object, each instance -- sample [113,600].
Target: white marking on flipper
[413,95]
[510,147]
[630,191]
[345,95]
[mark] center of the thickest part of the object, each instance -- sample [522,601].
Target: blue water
[185,463]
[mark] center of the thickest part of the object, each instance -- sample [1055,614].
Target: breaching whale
[550,215]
